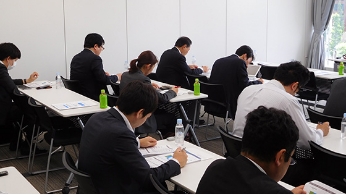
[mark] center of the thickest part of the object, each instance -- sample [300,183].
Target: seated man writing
[268,143]
[109,147]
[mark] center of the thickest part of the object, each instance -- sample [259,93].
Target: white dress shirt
[273,94]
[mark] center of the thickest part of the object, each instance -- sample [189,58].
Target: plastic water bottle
[103,99]
[341,68]
[343,127]
[194,60]
[179,133]
[196,87]
[58,81]
[126,66]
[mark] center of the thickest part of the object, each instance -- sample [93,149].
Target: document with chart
[316,187]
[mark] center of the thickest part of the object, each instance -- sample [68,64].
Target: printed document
[72,105]
[316,187]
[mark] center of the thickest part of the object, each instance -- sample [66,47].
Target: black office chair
[191,78]
[267,72]
[231,142]
[72,85]
[311,92]
[329,166]
[112,100]
[316,117]
[217,104]
[116,88]
[63,133]
[85,183]
[158,186]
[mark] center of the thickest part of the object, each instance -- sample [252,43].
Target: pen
[183,149]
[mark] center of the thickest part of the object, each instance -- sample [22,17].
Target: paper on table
[38,84]
[316,187]
[156,150]
[76,104]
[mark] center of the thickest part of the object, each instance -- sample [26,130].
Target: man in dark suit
[335,105]
[270,136]
[231,72]
[87,68]
[172,66]
[9,54]
[109,148]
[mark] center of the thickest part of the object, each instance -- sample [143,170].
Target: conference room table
[15,183]
[192,173]
[333,140]
[184,95]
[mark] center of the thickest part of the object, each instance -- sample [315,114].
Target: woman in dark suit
[139,69]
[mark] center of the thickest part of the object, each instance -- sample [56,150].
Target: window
[335,35]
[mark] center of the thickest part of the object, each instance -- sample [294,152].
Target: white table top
[333,140]
[325,74]
[192,173]
[183,94]
[338,60]
[15,183]
[51,96]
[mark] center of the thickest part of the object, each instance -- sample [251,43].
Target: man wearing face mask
[9,54]
[230,71]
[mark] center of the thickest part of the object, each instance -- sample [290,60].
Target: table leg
[188,125]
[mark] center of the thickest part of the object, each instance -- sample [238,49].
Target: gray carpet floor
[58,178]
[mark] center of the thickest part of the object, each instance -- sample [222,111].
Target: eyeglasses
[292,162]
[102,47]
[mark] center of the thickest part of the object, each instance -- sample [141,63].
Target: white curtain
[322,11]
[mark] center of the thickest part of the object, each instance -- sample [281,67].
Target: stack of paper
[77,104]
[156,150]
[316,187]
[39,84]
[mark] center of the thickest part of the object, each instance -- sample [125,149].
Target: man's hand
[193,66]
[175,89]
[324,127]
[298,190]
[156,86]
[147,142]
[181,156]
[32,77]
[205,68]
[119,76]
[261,80]
[107,74]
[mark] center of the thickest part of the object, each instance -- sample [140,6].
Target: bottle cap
[103,91]
[196,80]
[179,121]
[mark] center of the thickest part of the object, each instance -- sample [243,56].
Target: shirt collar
[259,167]
[277,84]
[177,49]
[127,122]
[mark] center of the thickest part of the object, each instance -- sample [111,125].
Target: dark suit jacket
[7,86]
[172,67]
[150,124]
[87,68]
[231,72]
[336,106]
[109,153]
[237,176]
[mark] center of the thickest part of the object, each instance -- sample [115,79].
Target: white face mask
[13,65]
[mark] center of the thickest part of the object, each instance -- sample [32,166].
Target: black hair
[244,49]
[290,72]
[9,50]
[92,39]
[267,131]
[146,57]
[137,95]
[183,41]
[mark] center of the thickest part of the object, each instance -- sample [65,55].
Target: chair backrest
[112,100]
[217,103]
[329,166]
[42,118]
[21,101]
[72,85]
[116,88]
[85,184]
[158,186]
[311,84]
[316,117]
[268,72]
[191,78]
[232,143]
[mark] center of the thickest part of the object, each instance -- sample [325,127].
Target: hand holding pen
[181,156]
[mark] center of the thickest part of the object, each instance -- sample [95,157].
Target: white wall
[50,33]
